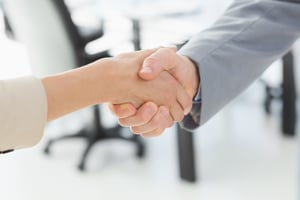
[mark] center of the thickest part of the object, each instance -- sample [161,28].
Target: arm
[239,47]
[235,51]
[150,117]
[113,80]
[28,103]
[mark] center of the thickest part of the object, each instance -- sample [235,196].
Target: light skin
[150,119]
[115,80]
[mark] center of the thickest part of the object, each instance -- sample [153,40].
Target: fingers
[143,115]
[128,115]
[156,125]
[180,67]
[182,106]
[162,59]
[154,133]
[170,93]
[185,100]
[122,110]
[148,121]
[176,112]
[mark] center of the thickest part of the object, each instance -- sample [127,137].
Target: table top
[145,8]
[162,22]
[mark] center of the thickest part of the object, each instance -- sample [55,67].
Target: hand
[164,90]
[151,120]
[180,67]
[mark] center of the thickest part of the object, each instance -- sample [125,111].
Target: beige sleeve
[23,112]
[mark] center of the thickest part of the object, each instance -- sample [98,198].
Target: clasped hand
[160,95]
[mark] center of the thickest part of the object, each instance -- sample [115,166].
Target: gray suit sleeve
[237,49]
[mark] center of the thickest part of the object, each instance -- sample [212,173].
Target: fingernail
[146,69]
[187,111]
[124,107]
[150,108]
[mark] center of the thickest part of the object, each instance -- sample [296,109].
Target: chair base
[111,133]
[96,133]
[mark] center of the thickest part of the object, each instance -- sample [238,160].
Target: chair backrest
[46,29]
[69,25]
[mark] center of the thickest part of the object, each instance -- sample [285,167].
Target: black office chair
[7,27]
[55,44]
[285,93]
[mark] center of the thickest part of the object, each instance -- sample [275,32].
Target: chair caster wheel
[140,152]
[81,167]
[47,148]
[47,151]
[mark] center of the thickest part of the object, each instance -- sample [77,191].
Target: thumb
[162,59]
[122,110]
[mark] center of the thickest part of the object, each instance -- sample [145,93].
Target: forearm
[27,103]
[239,47]
[75,89]
[112,80]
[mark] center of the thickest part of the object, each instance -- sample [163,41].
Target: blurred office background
[242,153]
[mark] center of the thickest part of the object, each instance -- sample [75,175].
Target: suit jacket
[237,49]
[23,106]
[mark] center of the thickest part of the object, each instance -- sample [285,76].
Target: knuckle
[157,119]
[166,120]
[145,136]
[154,133]
[168,50]
[121,111]
[157,132]
[134,130]
[150,60]
[188,105]
[143,118]
[113,109]
[109,106]
[179,117]
[170,124]
[163,120]
[123,122]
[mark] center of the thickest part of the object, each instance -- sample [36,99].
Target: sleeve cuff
[24,106]
[192,120]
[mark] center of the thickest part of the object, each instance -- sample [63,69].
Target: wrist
[78,88]
[102,80]
[117,76]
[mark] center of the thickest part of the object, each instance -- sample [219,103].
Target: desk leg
[186,155]
[288,96]
[136,34]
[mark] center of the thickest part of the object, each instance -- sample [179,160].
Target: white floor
[240,154]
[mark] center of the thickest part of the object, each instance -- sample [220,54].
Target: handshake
[152,89]
[147,90]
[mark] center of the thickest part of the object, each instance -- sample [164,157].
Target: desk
[186,155]
[143,14]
